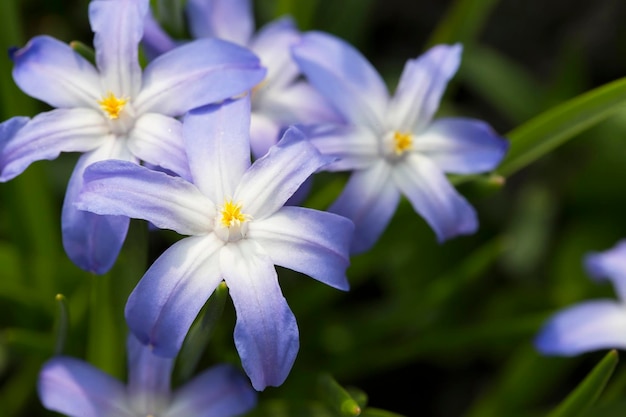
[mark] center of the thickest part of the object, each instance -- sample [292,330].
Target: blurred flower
[591,325]
[114,111]
[239,230]
[281,99]
[77,389]
[392,145]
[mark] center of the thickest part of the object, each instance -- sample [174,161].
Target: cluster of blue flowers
[216,139]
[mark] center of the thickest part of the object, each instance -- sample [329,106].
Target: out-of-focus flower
[239,230]
[115,111]
[77,389]
[391,144]
[281,99]
[591,325]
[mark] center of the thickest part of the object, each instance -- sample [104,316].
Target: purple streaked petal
[264,133]
[48,134]
[584,327]
[354,147]
[344,77]
[220,391]
[275,177]
[266,333]
[126,189]
[434,198]
[421,87]
[118,27]
[92,241]
[51,71]
[155,40]
[167,299]
[312,242]
[369,199]
[8,129]
[461,146]
[609,265]
[231,20]
[196,74]
[158,140]
[77,389]
[217,139]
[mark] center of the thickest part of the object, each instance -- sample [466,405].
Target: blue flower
[77,389]
[591,325]
[391,144]
[239,229]
[115,111]
[282,98]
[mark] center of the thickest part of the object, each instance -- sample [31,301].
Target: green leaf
[376,412]
[463,21]
[588,391]
[61,324]
[554,127]
[337,397]
[85,51]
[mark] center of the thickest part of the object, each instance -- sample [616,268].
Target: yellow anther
[232,215]
[402,142]
[112,105]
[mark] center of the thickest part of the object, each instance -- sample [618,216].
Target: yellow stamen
[402,142]
[231,214]
[112,105]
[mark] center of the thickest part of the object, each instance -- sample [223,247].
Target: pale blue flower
[591,325]
[78,389]
[391,144]
[239,229]
[115,111]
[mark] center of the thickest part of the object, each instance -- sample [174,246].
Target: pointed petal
[584,327]
[434,198]
[220,391]
[158,140]
[48,134]
[148,376]
[421,87]
[166,301]
[155,40]
[77,389]
[91,241]
[312,242]
[196,74]
[461,146]
[125,189]
[118,27]
[369,199]
[354,147]
[51,71]
[275,177]
[231,20]
[611,265]
[344,77]
[217,139]
[266,334]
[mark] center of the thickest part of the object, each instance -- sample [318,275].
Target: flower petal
[231,20]
[126,189]
[354,147]
[91,241]
[434,198]
[344,77]
[264,133]
[158,140]
[312,242]
[421,87]
[461,146]
[217,139]
[266,334]
[51,71]
[77,389]
[275,177]
[155,40]
[369,199]
[584,327]
[47,135]
[611,265]
[220,391]
[167,299]
[118,27]
[196,74]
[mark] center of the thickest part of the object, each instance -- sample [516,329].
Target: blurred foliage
[425,330]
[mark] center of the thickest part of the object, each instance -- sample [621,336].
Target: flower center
[231,224]
[231,214]
[402,142]
[112,105]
